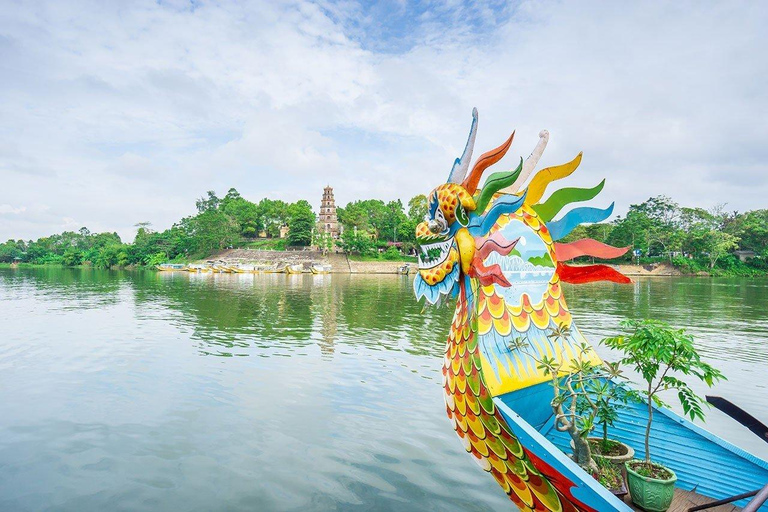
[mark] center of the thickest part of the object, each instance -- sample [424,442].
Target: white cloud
[115,114]
[8,209]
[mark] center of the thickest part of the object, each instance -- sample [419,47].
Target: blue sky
[113,113]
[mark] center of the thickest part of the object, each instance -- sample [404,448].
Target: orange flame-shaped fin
[587,247]
[485,161]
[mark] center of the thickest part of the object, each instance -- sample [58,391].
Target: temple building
[328,222]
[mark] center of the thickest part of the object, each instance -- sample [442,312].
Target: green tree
[207,202]
[273,215]
[110,255]
[652,226]
[392,222]
[11,250]
[417,208]
[232,195]
[717,244]
[212,231]
[356,241]
[244,212]
[752,230]
[301,222]
[322,240]
[72,257]
[370,216]
[705,235]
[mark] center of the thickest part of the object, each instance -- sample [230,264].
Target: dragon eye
[438,225]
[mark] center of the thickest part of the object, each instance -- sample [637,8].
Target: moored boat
[198,268]
[171,267]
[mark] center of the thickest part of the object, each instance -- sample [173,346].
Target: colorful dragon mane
[495,249]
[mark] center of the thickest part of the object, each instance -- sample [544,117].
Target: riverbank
[657,269]
[342,264]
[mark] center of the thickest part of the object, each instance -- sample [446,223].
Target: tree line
[220,223]
[657,229]
[694,239]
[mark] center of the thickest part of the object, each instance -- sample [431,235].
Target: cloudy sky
[113,113]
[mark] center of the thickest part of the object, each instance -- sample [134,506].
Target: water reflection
[234,314]
[171,391]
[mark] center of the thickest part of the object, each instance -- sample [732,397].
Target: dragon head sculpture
[499,234]
[458,215]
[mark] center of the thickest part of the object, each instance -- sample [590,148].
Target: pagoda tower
[329,223]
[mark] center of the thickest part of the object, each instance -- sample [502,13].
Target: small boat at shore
[320,269]
[171,267]
[198,268]
[294,269]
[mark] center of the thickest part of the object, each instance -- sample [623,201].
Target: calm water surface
[146,391]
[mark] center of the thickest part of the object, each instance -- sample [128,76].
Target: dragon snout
[435,226]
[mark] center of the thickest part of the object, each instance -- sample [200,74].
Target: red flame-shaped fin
[589,274]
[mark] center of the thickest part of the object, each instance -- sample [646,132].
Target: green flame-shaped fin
[493,184]
[563,197]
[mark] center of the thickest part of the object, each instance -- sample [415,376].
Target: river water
[168,392]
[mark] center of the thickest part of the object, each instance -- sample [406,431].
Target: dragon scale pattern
[482,429]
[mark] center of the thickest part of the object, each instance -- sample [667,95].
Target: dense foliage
[372,224]
[231,221]
[693,239]
[220,223]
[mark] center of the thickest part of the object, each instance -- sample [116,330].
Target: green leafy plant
[657,351]
[580,390]
[610,398]
[609,475]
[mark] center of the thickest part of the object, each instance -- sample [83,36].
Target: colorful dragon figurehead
[479,233]
[495,248]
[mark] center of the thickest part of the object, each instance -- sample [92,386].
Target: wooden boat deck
[684,500]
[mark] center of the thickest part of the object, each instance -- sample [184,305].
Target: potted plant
[578,398]
[610,476]
[657,351]
[610,397]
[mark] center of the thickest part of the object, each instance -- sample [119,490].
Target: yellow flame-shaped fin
[546,176]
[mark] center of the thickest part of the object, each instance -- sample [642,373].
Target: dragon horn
[461,165]
[530,163]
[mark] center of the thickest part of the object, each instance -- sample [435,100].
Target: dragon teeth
[426,261]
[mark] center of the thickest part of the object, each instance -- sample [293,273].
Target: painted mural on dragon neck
[494,249]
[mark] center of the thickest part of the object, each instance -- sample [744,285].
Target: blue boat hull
[702,461]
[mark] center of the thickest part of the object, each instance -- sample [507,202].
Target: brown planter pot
[618,460]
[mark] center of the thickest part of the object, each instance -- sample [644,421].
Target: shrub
[392,254]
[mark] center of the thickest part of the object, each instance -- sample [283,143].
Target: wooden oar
[740,415]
